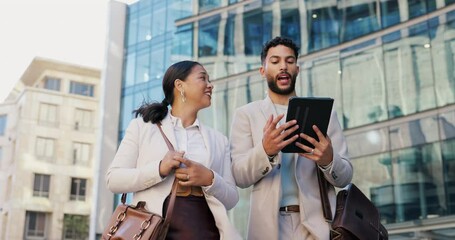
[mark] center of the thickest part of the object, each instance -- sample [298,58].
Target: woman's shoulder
[140,123]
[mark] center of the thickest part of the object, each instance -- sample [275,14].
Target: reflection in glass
[229,35]
[159,19]
[364,95]
[131,30]
[257,30]
[143,66]
[182,43]
[144,29]
[323,28]
[448,158]
[413,133]
[415,189]
[447,125]
[390,13]
[290,25]
[420,7]
[157,59]
[367,143]
[208,36]
[409,74]
[205,5]
[443,56]
[358,20]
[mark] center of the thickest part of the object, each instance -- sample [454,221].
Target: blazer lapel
[168,130]
[205,136]
[267,108]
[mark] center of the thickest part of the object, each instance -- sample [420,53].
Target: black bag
[356,217]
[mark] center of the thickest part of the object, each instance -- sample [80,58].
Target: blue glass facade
[389,65]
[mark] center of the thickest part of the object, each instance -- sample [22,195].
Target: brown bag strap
[324,195]
[170,207]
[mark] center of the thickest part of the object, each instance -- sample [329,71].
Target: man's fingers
[267,124]
[277,119]
[319,133]
[289,141]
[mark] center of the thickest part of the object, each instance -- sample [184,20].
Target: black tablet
[308,111]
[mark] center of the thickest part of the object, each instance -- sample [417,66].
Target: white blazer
[135,168]
[251,167]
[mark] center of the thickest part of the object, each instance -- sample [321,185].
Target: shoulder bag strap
[324,195]
[170,207]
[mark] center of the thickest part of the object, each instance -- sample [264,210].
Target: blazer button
[265,171]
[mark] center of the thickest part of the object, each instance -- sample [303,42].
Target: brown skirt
[191,219]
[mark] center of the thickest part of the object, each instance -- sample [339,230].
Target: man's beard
[273,86]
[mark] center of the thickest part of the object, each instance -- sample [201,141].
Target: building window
[82,119]
[208,36]
[78,189]
[52,84]
[81,153]
[83,89]
[41,185]
[45,147]
[35,225]
[2,124]
[75,227]
[48,114]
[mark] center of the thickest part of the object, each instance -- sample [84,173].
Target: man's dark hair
[279,41]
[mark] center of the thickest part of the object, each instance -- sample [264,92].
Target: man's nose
[283,65]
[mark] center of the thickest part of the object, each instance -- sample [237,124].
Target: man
[285,199]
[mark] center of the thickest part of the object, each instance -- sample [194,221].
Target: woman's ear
[178,84]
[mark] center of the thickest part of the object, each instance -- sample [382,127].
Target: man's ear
[261,70]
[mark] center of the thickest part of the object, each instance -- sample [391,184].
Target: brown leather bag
[136,222]
[356,217]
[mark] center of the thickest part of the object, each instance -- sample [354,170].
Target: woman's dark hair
[155,112]
[279,41]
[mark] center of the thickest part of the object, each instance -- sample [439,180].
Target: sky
[71,31]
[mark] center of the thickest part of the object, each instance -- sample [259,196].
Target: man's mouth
[284,78]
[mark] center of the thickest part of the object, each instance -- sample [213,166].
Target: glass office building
[389,65]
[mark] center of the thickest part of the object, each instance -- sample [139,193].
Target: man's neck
[279,98]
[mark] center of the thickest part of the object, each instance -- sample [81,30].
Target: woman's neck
[186,115]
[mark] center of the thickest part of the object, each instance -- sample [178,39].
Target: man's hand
[322,153]
[272,140]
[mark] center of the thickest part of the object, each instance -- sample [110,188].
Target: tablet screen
[308,111]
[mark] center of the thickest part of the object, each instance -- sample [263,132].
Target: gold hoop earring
[182,95]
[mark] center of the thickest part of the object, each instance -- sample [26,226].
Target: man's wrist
[271,157]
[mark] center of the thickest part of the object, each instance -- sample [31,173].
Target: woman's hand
[170,162]
[193,174]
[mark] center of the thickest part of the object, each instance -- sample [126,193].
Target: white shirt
[190,141]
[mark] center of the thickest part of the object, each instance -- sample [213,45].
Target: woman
[201,161]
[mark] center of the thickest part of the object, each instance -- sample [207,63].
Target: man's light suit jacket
[252,167]
[135,168]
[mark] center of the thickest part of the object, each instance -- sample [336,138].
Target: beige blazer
[135,168]
[251,167]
